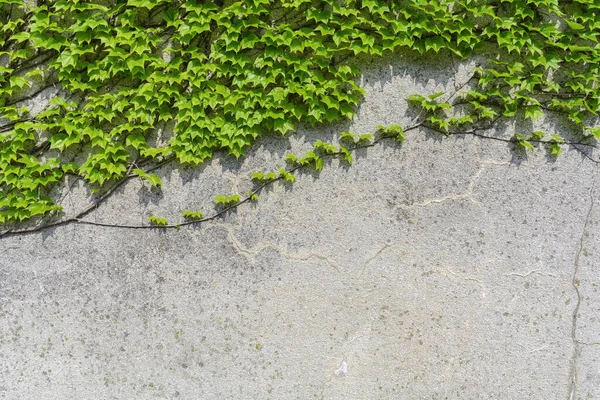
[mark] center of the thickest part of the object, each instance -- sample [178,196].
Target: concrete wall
[445,268]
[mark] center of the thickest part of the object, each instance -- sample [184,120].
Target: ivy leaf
[149,4]
[525,144]
[283,126]
[67,59]
[365,137]
[417,99]
[289,177]
[346,154]
[555,149]
[38,208]
[170,16]
[574,25]
[59,141]
[595,132]
[510,109]
[435,44]
[521,140]
[537,135]
[435,95]
[533,112]
[291,158]
[227,201]
[153,179]
[347,136]
[19,82]
[319,164]
[157,221]
[70,167]
[557,138]
[193,215]
[221,199]
[136,140]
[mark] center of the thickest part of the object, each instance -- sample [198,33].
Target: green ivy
[193,215]
[227,201]
[220,74]
[157,221]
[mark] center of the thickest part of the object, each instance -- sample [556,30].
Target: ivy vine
[142,83]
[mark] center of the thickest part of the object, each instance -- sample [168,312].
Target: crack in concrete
[535,271]
[251,253]
[573,374]
[533,350]
[467,195]
[588,343]
[539,271]
[468,278]
[371,259]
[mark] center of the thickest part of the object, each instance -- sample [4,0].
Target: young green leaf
[153,179]
[193,215]
[555,149]
[157,221]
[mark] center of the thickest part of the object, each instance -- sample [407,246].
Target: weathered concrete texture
[439,269]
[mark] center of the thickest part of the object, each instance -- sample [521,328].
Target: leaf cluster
[227,201]
[140,83]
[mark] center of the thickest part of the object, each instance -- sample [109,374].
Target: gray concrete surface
[445,268]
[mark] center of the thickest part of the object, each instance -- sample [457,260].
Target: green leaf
[574,25]
[555,149]
[510,109]
[157,221]
[347,136]
[435,95]
[154,180]
[193,215]
[346,154]
[291,158]
[417,99]
[221,199]
[283,126]
[533,112]
[227,201]
[557,138]
[288,176]
[70,167]
[59,141]
[537,135]
[319,164]
[136,140]
[521,140]
[595,132]
[525,144]
[67,59]
[365,137]
[139,172]
[19,82]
